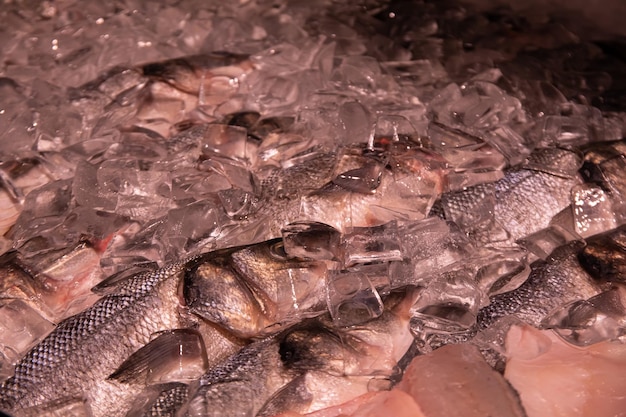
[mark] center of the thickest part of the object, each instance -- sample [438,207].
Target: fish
[254,290]
[241,384]
[57,284]
[524,201]
[160,96]
[552,283]
[164,400]
[339,364]
[372,404]
[260,378]
[409,159]
[68,362]
[192,74]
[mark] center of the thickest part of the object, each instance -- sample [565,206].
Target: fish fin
[173,355]
[166,398]
[294,397]
[109,285]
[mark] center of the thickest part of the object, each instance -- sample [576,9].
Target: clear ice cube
[311,240]
[21,327]
[542,243]
[230,141]
[356,121]
[430,246]
[593,210]
[449,303]
[189,225]
[585,322]
[354,295]
[237,203]
[365,245]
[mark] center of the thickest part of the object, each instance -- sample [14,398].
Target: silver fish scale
[242,384]
[522,202]
[240,365]
[527,200]
[552,283]
[463,202]
[169,401]
[121,321]
[296,180]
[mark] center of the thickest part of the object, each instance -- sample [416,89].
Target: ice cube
[354,295]
[510,143]
[356,121]
[542,243]
[430,246]
[576,124]
[189,225]
[232,171]
[136,244]
[197,185]
[311,240]
[359,72]
[230,141]
[500,270]
[593,211]
[449,303]
[372,244]
[91,192]
[394,127]
[238,204]
[585,322]
[45,209]
[21,327]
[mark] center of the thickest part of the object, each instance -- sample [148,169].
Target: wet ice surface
[434,146]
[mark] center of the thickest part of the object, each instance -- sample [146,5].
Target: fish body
[241,385]
[552,283]
[76,359]
[521,203]
[337,364]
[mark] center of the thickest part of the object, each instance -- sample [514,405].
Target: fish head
[213,290]
[372,348]
[317,347]
[254,290]
[604,256]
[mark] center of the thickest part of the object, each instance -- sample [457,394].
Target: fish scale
[552,283]
[118,324]
[521,203]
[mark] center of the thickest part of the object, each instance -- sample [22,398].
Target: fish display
[274,209]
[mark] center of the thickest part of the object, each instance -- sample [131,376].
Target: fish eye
[277,250]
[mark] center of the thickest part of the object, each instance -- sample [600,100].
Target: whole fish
[339,364]
[259,379]
[521,203]
[70,363]
[552,283]
[250,291]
